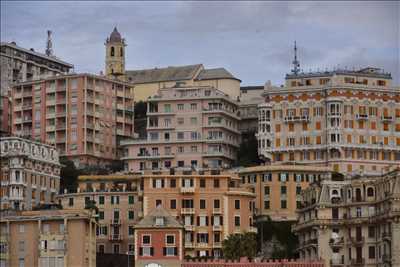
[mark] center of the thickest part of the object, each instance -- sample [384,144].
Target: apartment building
[351,221]
[48,238]
[347,120]
[211,205]
[119,201]
[20,65]
[186,127]
[5,113]
[148,81]
[159,239]
[83,115]
[29,175]
[278,188]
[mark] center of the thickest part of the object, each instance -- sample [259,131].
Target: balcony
[187,210]
[17,182]
[217,211]
[115,237]
[337,262]
[189,245]
[336,243]
[386,258]
[357,262]
[15,197]
[61,101]
[361,116]
[190,228]
[27,106]
[297,119]
[217,245]
[357,241]
[387,118]
[202,245]
[386,236]
[50,128]
[115,222]
[187,190]
[252,229]
[217,228]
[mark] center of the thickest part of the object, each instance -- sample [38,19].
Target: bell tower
[115,55]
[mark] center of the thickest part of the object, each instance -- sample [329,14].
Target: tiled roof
[149,221]
[173,73]
[218,73]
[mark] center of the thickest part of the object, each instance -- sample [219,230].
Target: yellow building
[278,188]
[148,81]
[48,238]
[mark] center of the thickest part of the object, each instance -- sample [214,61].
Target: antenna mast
[49,45]
[296,63]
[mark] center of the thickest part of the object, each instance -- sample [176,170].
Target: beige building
[83,115]
[351,221]
[119,202]
[48,238]
[210,205]
[347,120]
[278,188]
[29,175]
[192,127]
[147,82]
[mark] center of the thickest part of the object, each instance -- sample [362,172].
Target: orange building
[48,238]
[83,115]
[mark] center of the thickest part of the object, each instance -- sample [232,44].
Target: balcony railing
[296,118]
[217,211]
[386,118]
[358,262]
[187,190]
[217,228]
[115,221]
[115,237]
[187,210]
[361,116]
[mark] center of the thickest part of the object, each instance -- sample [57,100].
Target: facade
[20,65]
[186,127]
[83,115]
[48,238]
[148,81]
[210,204]
[278,188]
[29,175]
[246,263]
[159,240]
[351,222]
[347,120]
[119,200]
[250,98]
[5,113]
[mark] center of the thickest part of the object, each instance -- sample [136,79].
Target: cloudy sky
[253,40]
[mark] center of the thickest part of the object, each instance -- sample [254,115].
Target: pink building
[186,127]
[83,115]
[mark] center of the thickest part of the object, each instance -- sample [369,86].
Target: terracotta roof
[172,73]
[149,221]
[115,36]
[218,73]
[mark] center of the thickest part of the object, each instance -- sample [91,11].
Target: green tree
[241,245]
[68,175]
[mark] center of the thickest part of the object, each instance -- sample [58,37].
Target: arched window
[112,51]
[358,194]
[370,192]
[121,52]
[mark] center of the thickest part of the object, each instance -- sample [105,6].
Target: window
[146,251]
[237,204]
[101,215]
[298,190]
[180,106]
[70,201]
[101,249]
[216,183]
[21,262]
[172,183]
[203,183]
[370,192]
[131,199]
[266,204]
[237,220]
[371,252]
[21,246]
[216,204]
[283,204]
[146,239]
[202,203]
[101,200]
[170,239]
[158,202]
[114,200]
[371,231]
[173,204]
[160,221]
[167,107]
[193,120]
[131,230]
[116,248]
[193,106]
[283,190]
[131,215]
[180,135]
[358,211]
[266,190]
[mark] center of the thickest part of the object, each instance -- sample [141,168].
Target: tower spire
[296,63]
[49,45]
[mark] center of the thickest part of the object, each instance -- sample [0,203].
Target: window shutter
[154,183]
[212,220]
[183,182]
[207,220]
[221,220]
[191,182]
[164,251]
[152,251]
[198,221]
[162,183]
[141,251]
[176,251]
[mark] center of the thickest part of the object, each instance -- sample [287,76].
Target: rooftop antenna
[49,45]
[296,63]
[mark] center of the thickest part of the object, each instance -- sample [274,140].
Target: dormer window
[159,221]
